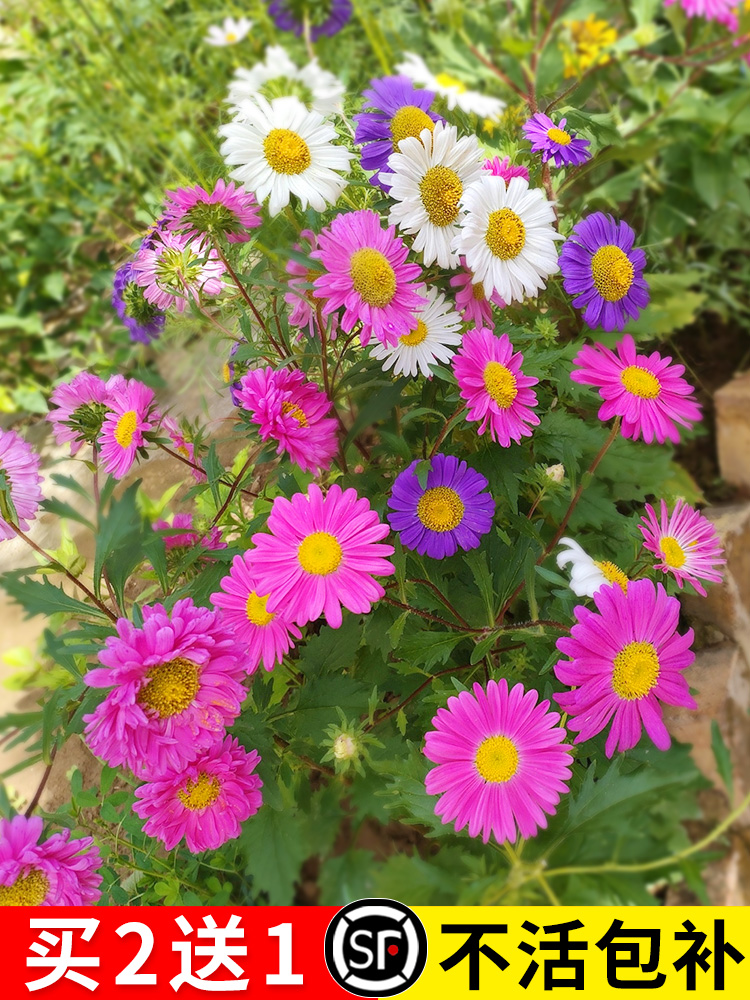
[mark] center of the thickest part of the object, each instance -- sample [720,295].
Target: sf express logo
[376,948]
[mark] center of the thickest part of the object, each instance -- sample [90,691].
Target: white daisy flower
[455,93]
[280,148]
[438,330]
[428,178]
[587,575]
[507,237]
[231,31]
[278,76]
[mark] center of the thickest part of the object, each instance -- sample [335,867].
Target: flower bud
[556,472]
[344,747]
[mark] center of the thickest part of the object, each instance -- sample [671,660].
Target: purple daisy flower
[604,272]
[394,110]
[143,320]
[325,18]
[453,511]
[175,687]
[555,142]
[56,872]
[229,210]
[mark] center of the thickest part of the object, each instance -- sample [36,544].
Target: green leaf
[428,648]
[43,598]
[723,758]
[275,848]
[119,542]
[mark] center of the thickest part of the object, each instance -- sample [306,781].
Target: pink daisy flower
[722,11]
[686,542]
[175,268]
[367,274]
[625,658]
[57,872]
[228,211]
[131,413]
[323,553]
[183,535]
[19,482]
[292,411]
[269,635]
[302,301]
[471,301]
[502,764]
[206,801]
[494,387]
[77,410]
[175,688]
[182,446]
[648,392]
[505,169]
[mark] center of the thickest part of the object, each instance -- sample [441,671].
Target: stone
[732,404]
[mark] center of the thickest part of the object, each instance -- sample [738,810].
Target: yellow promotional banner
[602,951]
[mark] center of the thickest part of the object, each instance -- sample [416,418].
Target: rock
[721,677]
[732,403]
[727,606]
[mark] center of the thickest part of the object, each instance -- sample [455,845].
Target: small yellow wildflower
[590,38]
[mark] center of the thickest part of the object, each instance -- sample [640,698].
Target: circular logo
[376,948]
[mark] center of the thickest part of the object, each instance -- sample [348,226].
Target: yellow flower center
[286,152]
[478,292]
[559,135]
[500,383]
[613,574]
[497,759]
[640,382]
[636,670]
[416,336]
[295,411]
[320,554]
[256,609]
[200,793]
[409,121]
[612,273]
[125,428]
[373,277]
[445,80]
[673,552]
[440,509]
[29,889]
[171,687]
[226,372]
[506,234]
[440,190]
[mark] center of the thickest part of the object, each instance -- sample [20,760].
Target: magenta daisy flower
[604,272]
[77,410]
[229,211]
[205,801]
[471,301]
[292,411]
[269,635]
[182,446]
[176,686]
[394,110]
[131,413]
[56,872]
[555,142]
[505,169]
[367,273]
[502,764]
[686,542]
[302,300]
[494,387]
[322,553]
[453,511]
[722,11]
[19,483]
[648,392]
[176,267]
[625,658]
[182,534]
